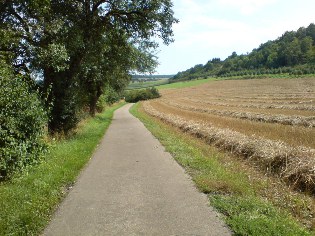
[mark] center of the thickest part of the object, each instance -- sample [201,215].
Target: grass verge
[185,84]
[147,84]
[29,199]
[227,185]
[195,82]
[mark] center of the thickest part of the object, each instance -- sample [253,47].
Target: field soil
[133,187]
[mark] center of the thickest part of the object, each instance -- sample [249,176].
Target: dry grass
[281,119]
[270,122]
[293,135]
[263,105]
[200,103]
[214,180]
[296,94]
[295,165]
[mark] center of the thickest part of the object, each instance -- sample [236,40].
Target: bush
[141,94]
[109,97]
[65,109]
[101,103]
[22,124]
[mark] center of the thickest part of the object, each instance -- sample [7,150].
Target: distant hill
[151,77]
[293,53]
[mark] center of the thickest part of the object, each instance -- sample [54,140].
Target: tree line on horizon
[292,53]
[150,77]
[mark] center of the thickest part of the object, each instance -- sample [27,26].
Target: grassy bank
[190,83]
[230,189]
[164,84]
[146,84]
[184,84]
[28,200]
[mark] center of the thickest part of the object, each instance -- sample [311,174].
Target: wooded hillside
[293,53]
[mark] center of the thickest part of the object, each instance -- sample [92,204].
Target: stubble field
[268,121]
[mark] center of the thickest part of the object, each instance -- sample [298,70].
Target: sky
[215,28]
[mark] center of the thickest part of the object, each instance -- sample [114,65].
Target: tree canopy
[78,48]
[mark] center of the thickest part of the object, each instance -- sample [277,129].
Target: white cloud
[247,7]
[216,28]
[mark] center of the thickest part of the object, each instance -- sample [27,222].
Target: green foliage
[79,47]
[146,84]
[184,84]
[22,124]
[29,200]
[101,103]
[150,77]
[65,111]
[210,69]
[109,97]
[54,56]
[141,94]
[251,216]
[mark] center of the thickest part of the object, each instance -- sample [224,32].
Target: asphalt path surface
[131,186]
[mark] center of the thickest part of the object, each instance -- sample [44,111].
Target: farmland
[146,84]
[270,122]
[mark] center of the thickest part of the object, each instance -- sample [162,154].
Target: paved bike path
[132,186]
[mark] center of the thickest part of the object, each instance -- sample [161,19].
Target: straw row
[281,119]
[259,106]
[294,165]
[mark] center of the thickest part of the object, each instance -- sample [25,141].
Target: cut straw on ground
[295,165]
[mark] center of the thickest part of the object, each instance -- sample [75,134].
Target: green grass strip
[229,190]
[195,82]
[147,84]
[185,84]
[165,84]
[28,201]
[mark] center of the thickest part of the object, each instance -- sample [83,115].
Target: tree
[58,39]
[306,49]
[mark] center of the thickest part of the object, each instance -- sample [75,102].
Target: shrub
[141,94]
[65,107]
[22,124]
[109,97]
[154,92]
[101,103]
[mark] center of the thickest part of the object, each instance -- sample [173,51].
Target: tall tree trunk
[94,96]
[60,101]
[92,105]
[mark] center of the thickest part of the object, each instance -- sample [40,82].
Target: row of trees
[293,52]
[67,55]
[151,77]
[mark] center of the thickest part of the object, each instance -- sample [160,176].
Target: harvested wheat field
[268,121]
